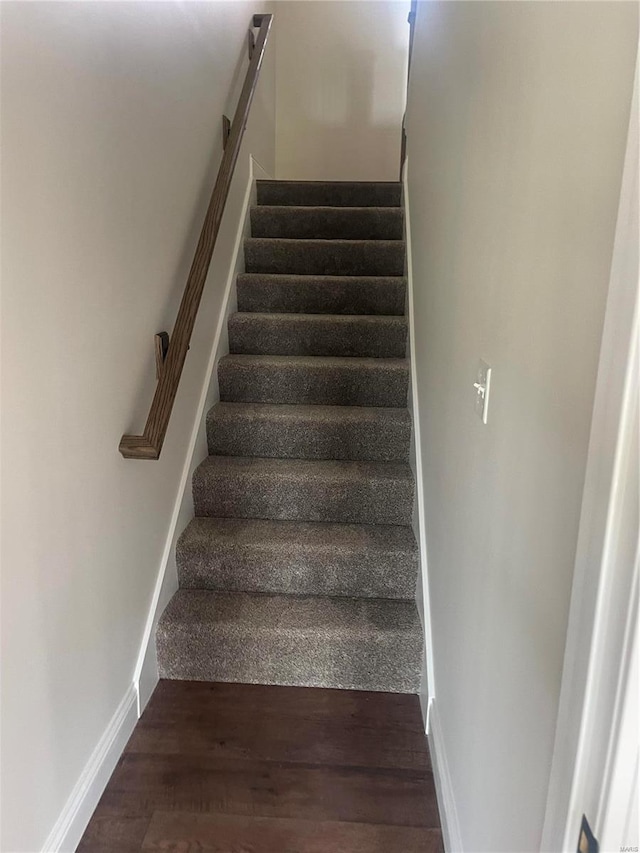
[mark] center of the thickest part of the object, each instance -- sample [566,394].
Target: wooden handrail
[149,444]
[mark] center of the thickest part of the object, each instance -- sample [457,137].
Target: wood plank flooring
[243,768]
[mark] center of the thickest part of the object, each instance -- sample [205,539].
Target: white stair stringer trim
[427,687]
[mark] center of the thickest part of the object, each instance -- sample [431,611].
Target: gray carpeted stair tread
[347,643]
[297,557]
[301,565]
[318,294]
[322,380]
[309,432]
[304,490]
[318,334]
[327,223]
[324,257]
[330,193]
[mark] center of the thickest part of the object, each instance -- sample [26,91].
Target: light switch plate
[482,386]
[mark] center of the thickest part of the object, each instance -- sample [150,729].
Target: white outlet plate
[482,387]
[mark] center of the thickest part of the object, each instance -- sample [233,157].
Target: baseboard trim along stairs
[76,813]
[300,566]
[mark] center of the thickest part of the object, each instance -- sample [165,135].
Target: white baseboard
[427,684]
[77,811]
[444,789]
[423,695]
[146,672]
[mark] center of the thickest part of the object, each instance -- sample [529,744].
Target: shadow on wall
[341,89]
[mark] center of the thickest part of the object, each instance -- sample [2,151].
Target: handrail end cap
[138,447]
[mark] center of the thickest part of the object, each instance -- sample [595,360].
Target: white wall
[341,81]
[517,122]
[111,138]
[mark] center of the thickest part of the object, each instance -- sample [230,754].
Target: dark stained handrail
[149,444]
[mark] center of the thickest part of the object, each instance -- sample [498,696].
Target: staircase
[300,566]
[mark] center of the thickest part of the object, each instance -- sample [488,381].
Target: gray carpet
[309,432]
[298,557]
[300,567]
[324,257]
[321,294]
[332,223]
[322,380]
[318,334]
[330,193]
[310,641]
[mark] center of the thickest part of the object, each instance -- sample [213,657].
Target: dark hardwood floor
[241,768]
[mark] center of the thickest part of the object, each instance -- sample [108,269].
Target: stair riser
[303,658]
[318,295]
[338,385]
[318,223]
[341,194]
[296,570]
[274,495]
[372,439]
[322,257]
[270,334]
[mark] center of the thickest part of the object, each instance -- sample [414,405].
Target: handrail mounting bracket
[161,346]
[226,130]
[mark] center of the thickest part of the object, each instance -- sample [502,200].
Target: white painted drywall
[111,138]
[341,82]
[517,123]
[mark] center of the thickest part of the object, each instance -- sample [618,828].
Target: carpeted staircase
[300,566]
